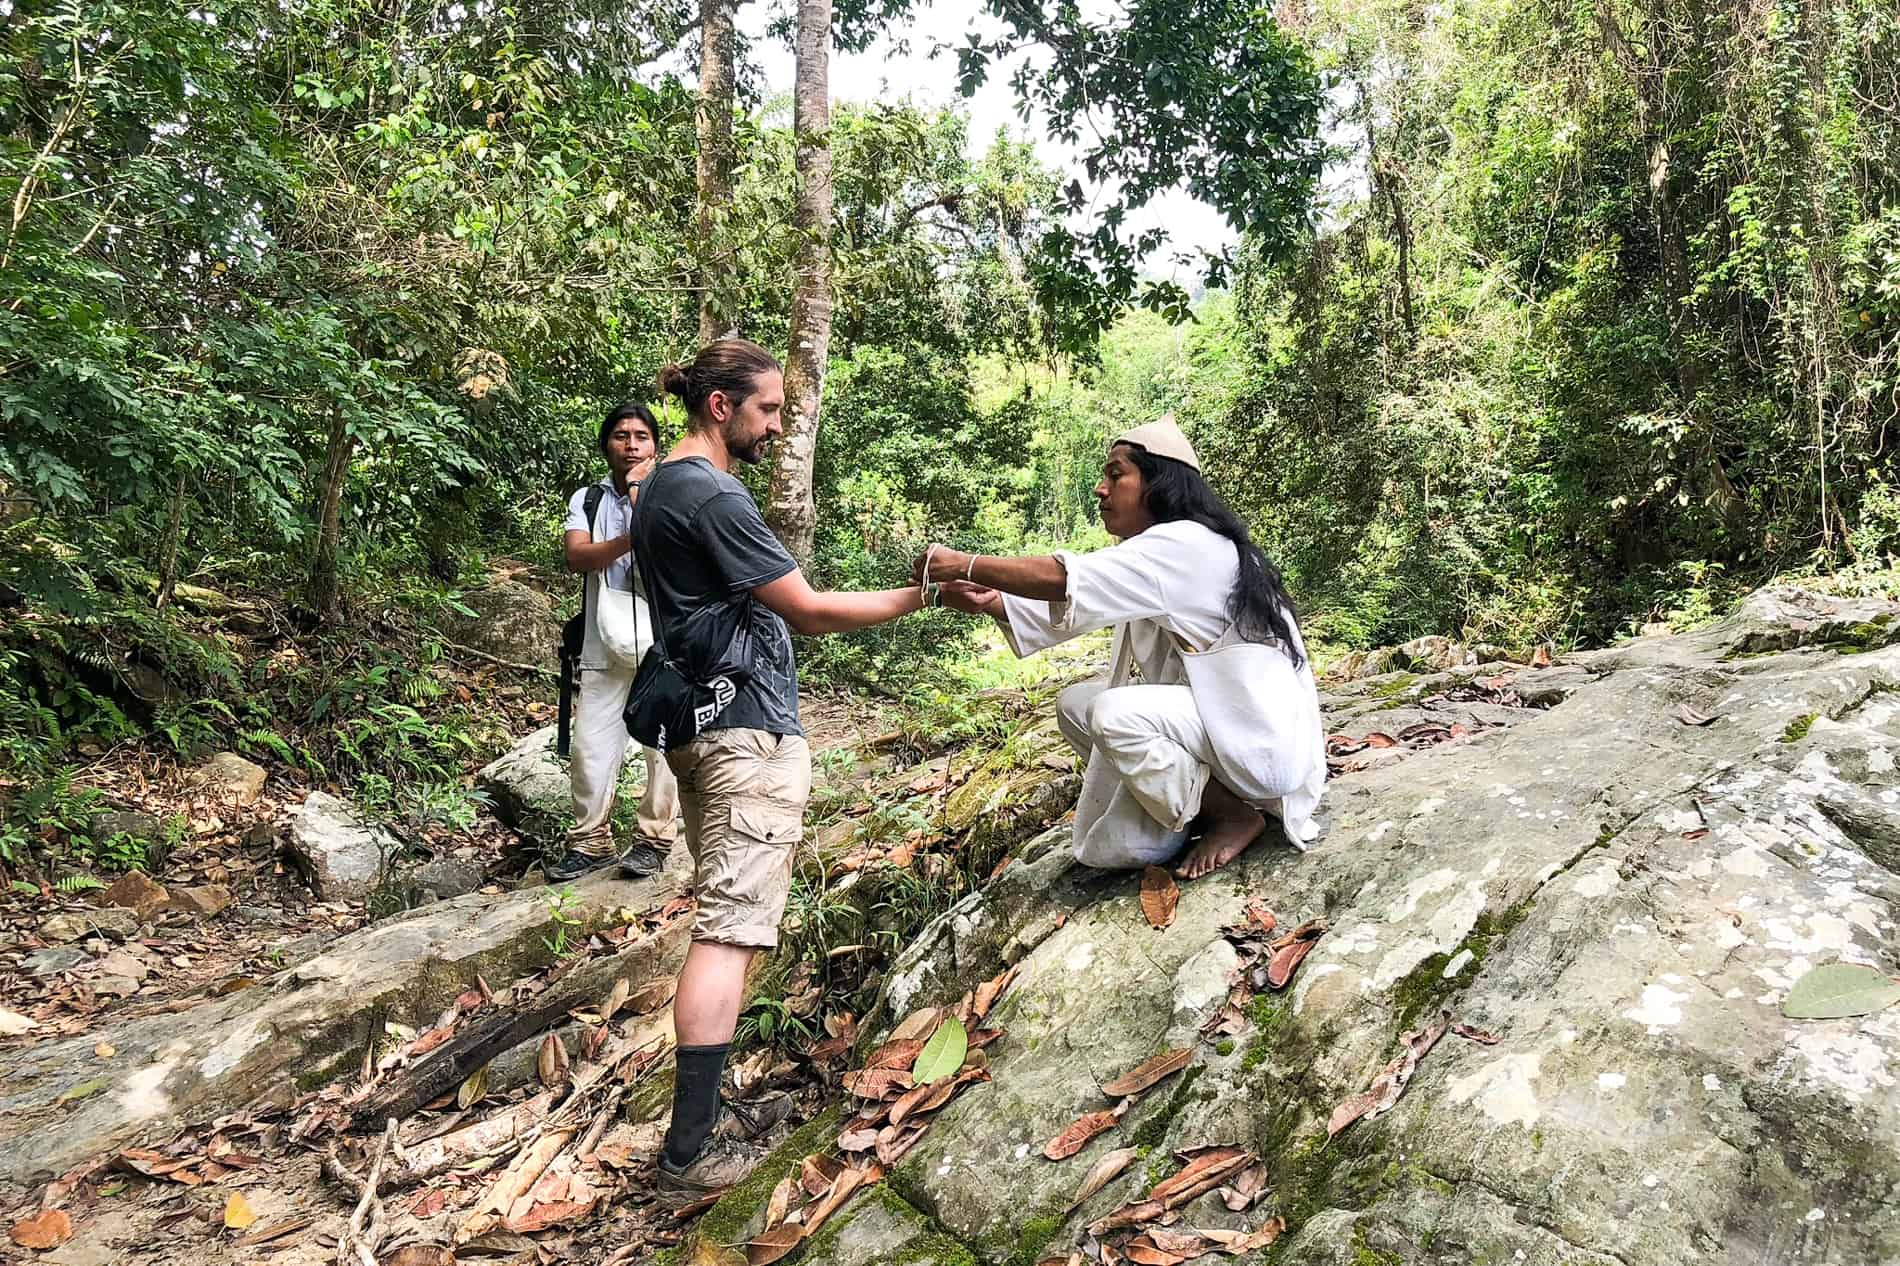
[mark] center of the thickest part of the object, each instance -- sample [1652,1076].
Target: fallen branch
[364,1235]
[504,663]
[452,1063]
[499,1133]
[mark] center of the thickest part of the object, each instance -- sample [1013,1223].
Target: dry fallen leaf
[551,1062]
[773,1245]
[1143,1251]
[919,1024]
[1103,1172]
[543,1216]
[1540,658]
[990,990]
[1689,716]
[1235,1243]
[877,1083]
[1390,1083]
[901,1053]
[1076,1135]
[1206,1169]
[473,1090]
[1163,1065]
[1159,896]
[237,1213]
[1246,1188]
[1484,1037]
[781,1202]
[105,1050]
[1132,1214]
[49,1230]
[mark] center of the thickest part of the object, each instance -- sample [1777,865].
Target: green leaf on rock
[1836,990]
[943,1053]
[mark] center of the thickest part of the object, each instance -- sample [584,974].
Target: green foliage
[561,905]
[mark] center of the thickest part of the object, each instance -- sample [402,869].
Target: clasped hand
[947,568]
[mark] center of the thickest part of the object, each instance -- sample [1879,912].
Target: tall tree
[716,74]
[790,508]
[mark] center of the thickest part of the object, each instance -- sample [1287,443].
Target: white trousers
[1148,762]
[598,746]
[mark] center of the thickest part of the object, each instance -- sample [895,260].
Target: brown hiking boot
[754,1119]
[722,1163]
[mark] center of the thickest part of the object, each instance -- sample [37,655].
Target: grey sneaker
[723,1162]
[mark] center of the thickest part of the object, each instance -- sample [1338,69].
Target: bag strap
[636,523]
[590,506]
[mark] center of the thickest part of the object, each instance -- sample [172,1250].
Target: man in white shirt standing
[602,551]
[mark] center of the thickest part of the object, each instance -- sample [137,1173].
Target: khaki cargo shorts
[742,793]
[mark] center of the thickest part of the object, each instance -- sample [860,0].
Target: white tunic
[1164,590]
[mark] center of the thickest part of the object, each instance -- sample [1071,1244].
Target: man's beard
[751,454]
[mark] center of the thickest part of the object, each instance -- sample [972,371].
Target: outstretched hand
[946,564]
[971,599]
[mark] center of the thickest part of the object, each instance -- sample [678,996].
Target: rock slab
[1623,896]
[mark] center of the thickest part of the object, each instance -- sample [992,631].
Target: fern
[70,884]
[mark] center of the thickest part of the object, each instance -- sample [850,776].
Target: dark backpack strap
[640,566]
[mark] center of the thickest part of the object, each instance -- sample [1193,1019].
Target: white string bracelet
[927,592]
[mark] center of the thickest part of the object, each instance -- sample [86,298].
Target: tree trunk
[1648,72]
[789,506]
[168,552]
[715,160]
[325,592]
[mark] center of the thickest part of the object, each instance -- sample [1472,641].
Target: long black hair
[1259,605]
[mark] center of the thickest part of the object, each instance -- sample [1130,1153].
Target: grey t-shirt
[707,548]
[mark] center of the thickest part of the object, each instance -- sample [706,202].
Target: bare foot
[1227,838]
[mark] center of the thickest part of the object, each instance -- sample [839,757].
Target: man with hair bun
[745,775]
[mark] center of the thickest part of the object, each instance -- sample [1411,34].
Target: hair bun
[674,381]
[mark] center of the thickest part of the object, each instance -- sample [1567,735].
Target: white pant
[598,746]
[1148,762]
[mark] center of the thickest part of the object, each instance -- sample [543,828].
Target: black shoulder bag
[669,705]
[573,639]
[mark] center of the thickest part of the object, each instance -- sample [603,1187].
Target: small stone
[260,835]
[261,916]
[50,962]
[447,877]
[231,776]
[121,963]
[140,826]
[138,892]
[342,855]
[530,787]
[115,986]
[202,902]
[70,926]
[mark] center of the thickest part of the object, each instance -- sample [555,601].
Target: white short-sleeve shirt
[611,519]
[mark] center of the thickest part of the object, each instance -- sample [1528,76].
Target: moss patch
[1799,727]
[1155,1128]
[1426,987]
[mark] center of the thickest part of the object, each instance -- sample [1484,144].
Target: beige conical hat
[1162,438]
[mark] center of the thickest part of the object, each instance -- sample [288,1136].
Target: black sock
[695,1102]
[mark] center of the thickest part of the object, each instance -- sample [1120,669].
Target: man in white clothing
[602,551]
[1222,726]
